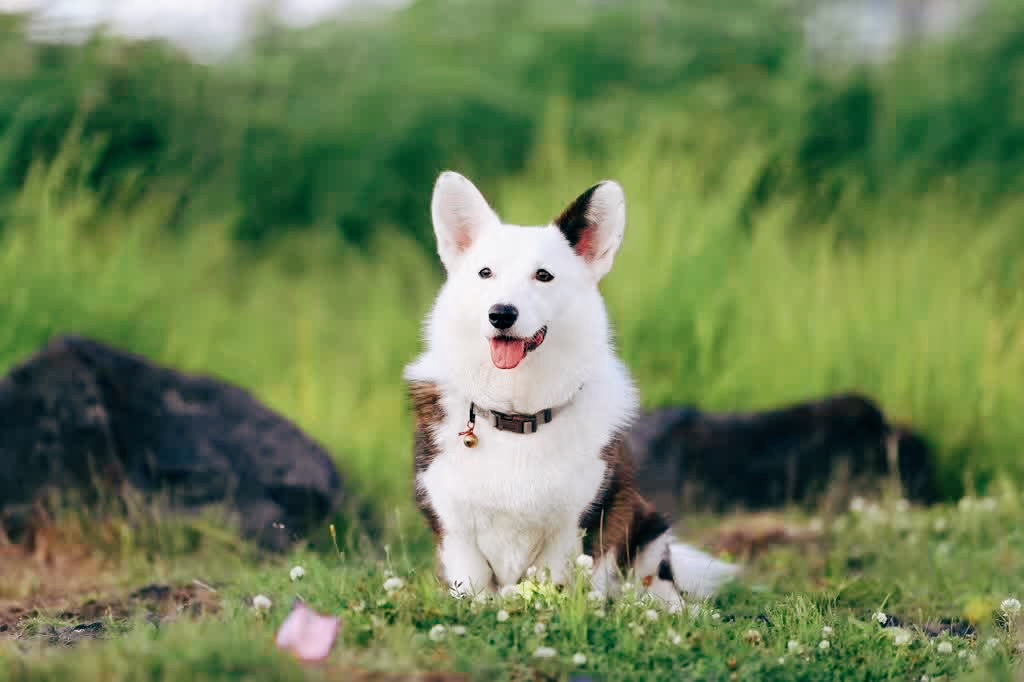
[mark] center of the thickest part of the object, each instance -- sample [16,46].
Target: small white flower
[481,597]
[540,628]
[638,630]
[1011,606]
[827,631]
[858,504]
[694,610]
[881,617]
[651,615]
[972,658]
[752,637]
[991,643]
[508,591]
[502,616]
[545,652]
[824,644]
[297,573]
[579,659]
[782,660]
[902,505]
[794,646]
[261,602]
[901,637]
[966,504]
[600,613]
[458,630]
[438,632]
[675,637]
[531,572]
[716,616]
[359,606]
[939,525]
[388,573]
[585,561]
[594,595]
[393,584]
[988,504]
[944,647]
[962,653]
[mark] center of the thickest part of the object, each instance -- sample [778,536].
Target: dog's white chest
[513,494]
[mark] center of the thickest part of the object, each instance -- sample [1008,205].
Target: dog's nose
[502,316]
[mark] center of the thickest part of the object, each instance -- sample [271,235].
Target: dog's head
[523,299]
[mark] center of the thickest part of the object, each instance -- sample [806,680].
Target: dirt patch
[750,535]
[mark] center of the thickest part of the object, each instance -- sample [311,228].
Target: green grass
[860,564]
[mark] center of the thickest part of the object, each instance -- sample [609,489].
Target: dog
[521,407]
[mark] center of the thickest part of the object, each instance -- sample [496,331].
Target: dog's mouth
[508,351]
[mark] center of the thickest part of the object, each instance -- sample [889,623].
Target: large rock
[754,460]
[83,416]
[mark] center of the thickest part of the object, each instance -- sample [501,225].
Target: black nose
[502,316]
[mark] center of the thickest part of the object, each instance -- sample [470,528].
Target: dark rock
[757,460]
[83,416]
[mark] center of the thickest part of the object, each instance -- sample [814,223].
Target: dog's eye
[543,275]
[485,273]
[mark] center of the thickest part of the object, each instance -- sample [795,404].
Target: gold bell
[470,440]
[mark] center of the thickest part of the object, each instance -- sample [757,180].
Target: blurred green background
[800,222]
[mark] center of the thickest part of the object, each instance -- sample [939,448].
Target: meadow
[791,233]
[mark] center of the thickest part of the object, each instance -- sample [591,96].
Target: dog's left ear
[594,225]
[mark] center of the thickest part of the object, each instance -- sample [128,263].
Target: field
[773,253]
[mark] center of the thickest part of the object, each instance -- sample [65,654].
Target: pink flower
[306,634]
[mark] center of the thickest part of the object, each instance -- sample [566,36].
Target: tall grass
[710,306]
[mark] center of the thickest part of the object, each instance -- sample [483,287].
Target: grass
[712,303]
[855,565]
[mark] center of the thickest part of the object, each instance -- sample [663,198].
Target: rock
[85,417]
[757,460]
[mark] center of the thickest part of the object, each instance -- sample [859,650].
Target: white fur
[515,500]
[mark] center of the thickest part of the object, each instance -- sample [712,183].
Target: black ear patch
[573,221]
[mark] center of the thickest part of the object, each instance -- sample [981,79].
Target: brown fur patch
[619,520]
[428,413]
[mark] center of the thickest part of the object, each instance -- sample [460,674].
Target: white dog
[521,404]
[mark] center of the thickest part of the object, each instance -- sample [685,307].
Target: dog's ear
[459,213]
[594,225]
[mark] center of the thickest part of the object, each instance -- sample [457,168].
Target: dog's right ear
[459,212]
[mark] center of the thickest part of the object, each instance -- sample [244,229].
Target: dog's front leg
[464,566]
[559,555]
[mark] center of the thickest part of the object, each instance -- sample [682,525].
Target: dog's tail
[698,574]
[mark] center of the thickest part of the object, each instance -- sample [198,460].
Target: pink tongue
[507,353]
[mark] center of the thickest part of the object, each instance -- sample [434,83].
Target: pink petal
[306,634]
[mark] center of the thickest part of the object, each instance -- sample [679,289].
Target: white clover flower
[794,646]
[752,637]
[939,525]
[715,615]
[297,573]
[782,660]
[962,653]
[674,637]
[858,504]
[438,632]
[508,591]
[579,659]
[531,572]
[827,631]
[881,617]
[944,647]
[359,606]
[901,637]
[261,602]
[545,652]
[502,616]
[594,595]
[1010,607]
[393,584]
[458,630]
[638,630]
[651,615]
[966,504]
[540,628]
[988,504]
[902,505]
[585,561]
[824,644]
[991,643]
